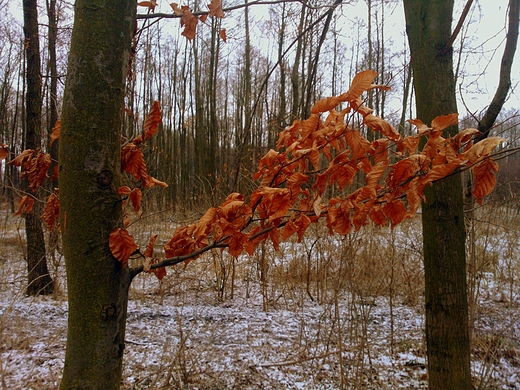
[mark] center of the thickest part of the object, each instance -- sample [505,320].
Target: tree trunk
[428,25]
[39,280]
[504,83]
[90,165]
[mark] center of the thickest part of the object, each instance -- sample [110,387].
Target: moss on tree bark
[89,168]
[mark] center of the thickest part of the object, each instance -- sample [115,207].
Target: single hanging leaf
[317,206]
[22,157]
[377,215]
[376,123]
[150,4]
[444,121]
[160,272]
[39,174]
[121,245]
[55,135]
[124,190]
[149,181]
[189,22]
[223,35]
[4,151]
[484,178]
[482,149]
[152,121]
[236,244]
[176,9]
[463,137]
[421,127]
[303,222]
[325,105]
[25,205]
[215,9]
[148,252]
[413,196]
[51,212]
[361,82]
[395,211]
[135,198]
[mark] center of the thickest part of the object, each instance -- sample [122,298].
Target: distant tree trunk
[90,173]
[295,73]
[39,280]
[53,113]
[504,83]
[428,26]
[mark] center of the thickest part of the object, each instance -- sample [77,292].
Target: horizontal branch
[232,8]
[177,259]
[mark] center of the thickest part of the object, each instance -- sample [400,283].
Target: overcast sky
[484,37]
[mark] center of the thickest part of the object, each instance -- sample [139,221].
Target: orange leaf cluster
[132,158]
[51,212]
[34,165]
[324,151]
[189,21]
[223,224]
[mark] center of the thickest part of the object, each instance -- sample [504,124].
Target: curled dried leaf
[152,121]
[4,151]
[51,212]
[215,9]
[325,105]
[55,134]
[484,178]
[482,149]
[148,252]
[360,83]
[121,245]
[25,205]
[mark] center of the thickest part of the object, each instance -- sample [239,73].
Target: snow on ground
[185,333]
[198,342]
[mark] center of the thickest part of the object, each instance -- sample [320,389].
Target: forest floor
[274,327]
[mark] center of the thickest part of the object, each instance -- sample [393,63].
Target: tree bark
[428,25]
[39,280]
[504,84]
[89,166]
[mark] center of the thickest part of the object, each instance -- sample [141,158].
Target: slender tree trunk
[90,165]
[504,82]
[428,25]
[53,116]
[39,280]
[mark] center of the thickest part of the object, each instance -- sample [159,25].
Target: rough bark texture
[89,166]
[39,280]
[428,25]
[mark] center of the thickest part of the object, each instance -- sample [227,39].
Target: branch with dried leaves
[312,155]
[321,152]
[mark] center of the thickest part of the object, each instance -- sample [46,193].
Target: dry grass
[329,312]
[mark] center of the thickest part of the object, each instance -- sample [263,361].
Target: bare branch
[233,8]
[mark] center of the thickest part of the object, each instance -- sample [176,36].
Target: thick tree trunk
[89,166]
[428,25]
[39,280]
